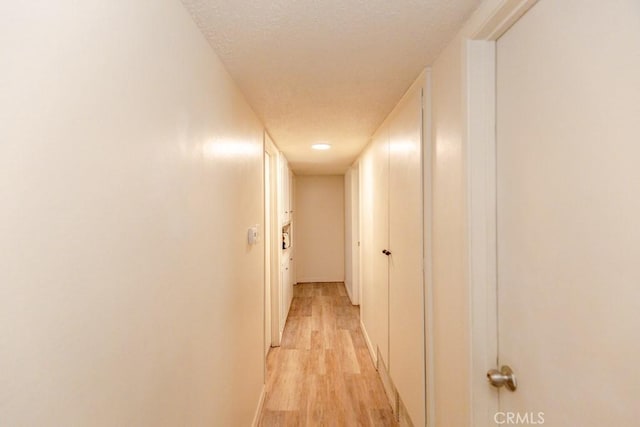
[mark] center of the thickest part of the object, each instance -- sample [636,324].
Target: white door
[380,237]
[406,296]
[568,156]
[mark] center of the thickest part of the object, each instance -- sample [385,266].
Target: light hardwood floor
[322,375]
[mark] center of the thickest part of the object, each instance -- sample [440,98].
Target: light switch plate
[253,235]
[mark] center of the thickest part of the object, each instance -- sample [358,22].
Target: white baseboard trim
[320,280]
[256,416]
[389,387]
[372,352]
[349,294]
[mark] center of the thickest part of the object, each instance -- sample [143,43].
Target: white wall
[130,170]
[450,306]
[319,239]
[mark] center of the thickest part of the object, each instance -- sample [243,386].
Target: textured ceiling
[326,71]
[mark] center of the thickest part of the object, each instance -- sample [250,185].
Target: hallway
[319,213]
[322,373]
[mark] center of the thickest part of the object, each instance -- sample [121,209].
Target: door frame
[274,252]
[480,103]
[355,232]
[267,252]
[353,241]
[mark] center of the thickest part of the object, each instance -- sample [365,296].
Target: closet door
[380,236]
[568,186]
[406,308]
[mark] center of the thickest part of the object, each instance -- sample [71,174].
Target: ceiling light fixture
[321,146]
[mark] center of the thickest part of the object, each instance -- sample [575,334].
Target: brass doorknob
[503,377]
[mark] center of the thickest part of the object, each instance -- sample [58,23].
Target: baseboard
[256,417]
[404,420]
[372,353]
[389,387]
[348,288]
[320,280]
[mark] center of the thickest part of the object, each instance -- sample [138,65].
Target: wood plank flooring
[322,374]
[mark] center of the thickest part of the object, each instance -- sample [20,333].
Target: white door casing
[487,24]
[267,254]
[274,244]
[355,234]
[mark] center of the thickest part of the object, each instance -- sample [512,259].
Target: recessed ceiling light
[321,146]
